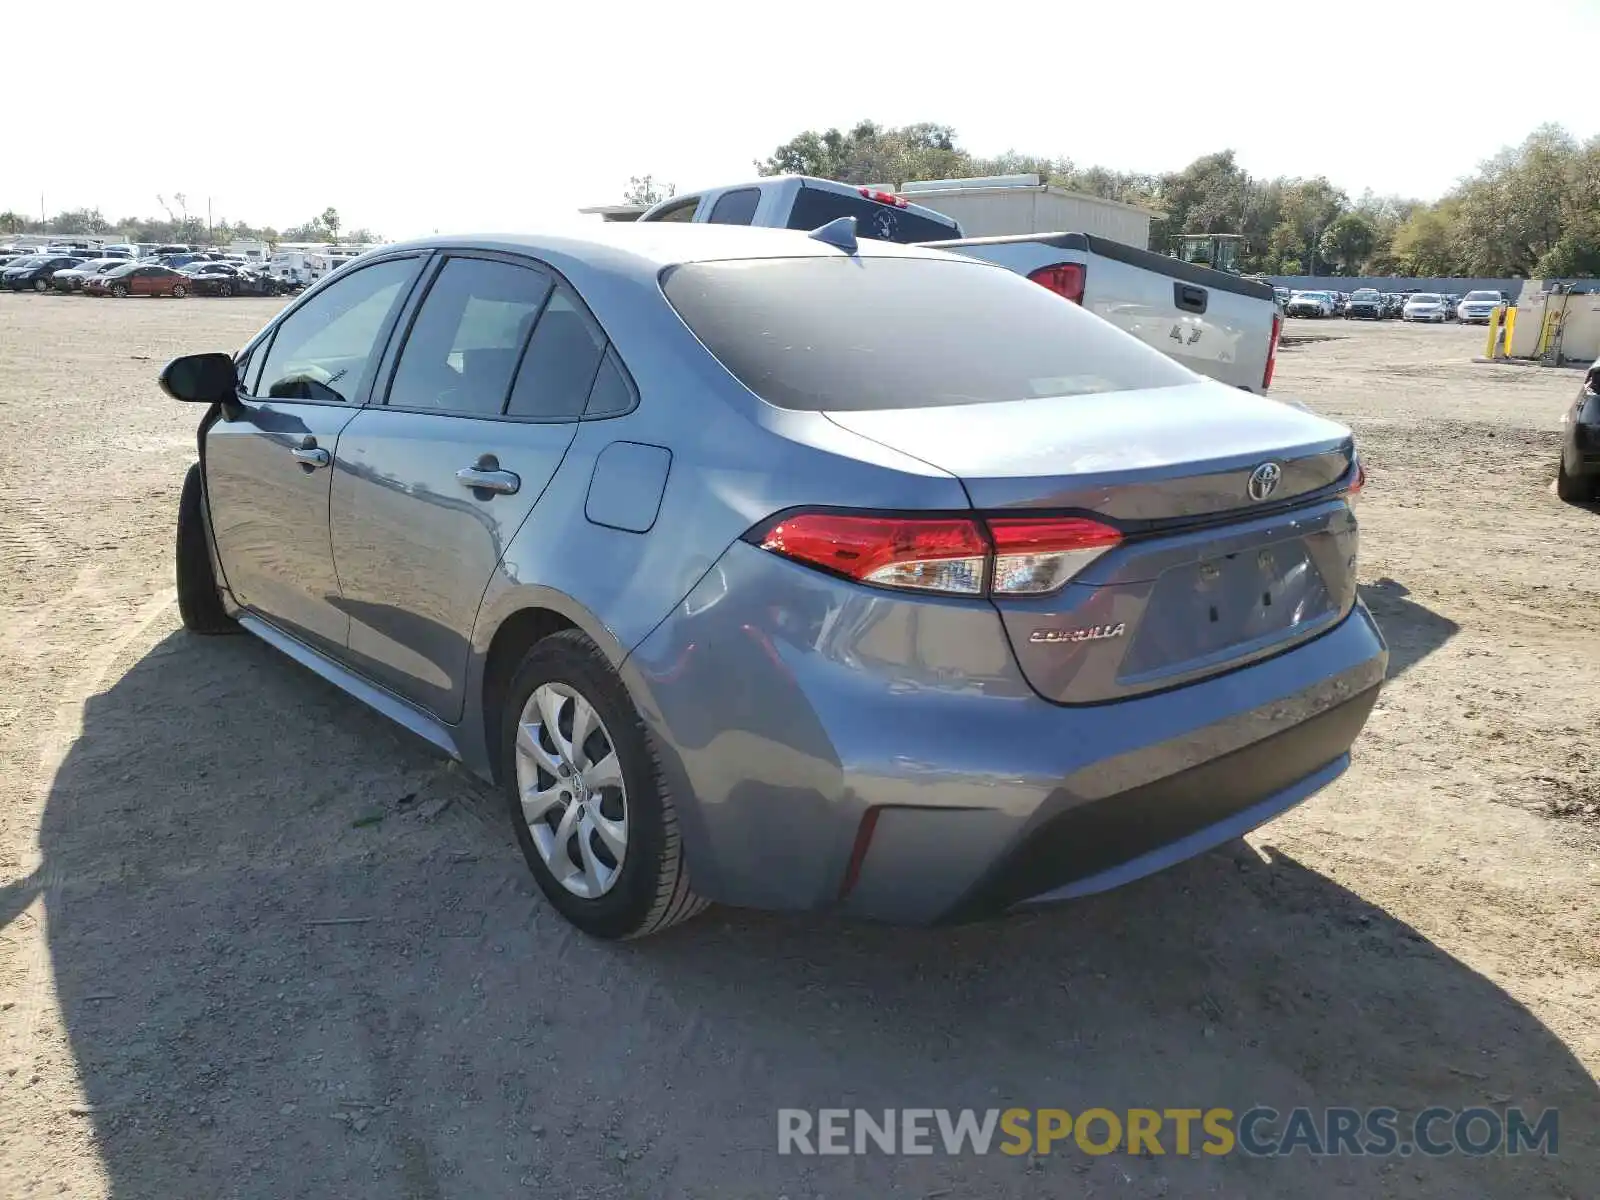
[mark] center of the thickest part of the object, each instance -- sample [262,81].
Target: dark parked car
[225,279]
[1366,304]
[33,273]
[138,279]
[1578,475]
[951,599]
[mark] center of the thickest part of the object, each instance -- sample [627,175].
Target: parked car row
[1372,305]
[176,275]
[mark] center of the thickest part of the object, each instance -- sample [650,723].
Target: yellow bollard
[1493,343]
[1511,327]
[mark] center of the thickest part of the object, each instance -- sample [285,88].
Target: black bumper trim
[1084,839]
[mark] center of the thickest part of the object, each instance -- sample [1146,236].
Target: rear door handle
[309,456]
[486,476]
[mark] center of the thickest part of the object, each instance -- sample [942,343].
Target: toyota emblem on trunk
[1263,480]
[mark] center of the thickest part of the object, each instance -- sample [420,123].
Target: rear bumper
[787,706]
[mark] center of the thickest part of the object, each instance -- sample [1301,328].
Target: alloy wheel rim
[570,786]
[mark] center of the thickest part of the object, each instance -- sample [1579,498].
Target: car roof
[647,248]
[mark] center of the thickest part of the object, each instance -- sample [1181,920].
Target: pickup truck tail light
[884,197]
[960,556]
[1272,351]
[1064,279]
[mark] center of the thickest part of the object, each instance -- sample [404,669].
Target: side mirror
[201,379]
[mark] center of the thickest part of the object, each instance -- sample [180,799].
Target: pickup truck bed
[1214,323]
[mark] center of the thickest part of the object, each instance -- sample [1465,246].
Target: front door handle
[309,456]
[485,475]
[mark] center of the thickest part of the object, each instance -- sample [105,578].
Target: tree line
[181,227]
[1532,210]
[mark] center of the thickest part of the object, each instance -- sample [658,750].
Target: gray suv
[786,571]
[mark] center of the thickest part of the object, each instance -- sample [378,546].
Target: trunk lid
[1208,577]
[1161,454]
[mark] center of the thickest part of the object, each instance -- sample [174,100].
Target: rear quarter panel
[733,462]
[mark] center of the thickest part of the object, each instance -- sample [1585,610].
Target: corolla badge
[1264,480]
[1093,633]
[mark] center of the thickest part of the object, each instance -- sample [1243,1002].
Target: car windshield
[124,269]
[868,332]
[1424,298]
[1365,294]
[32,260]
[1495,296]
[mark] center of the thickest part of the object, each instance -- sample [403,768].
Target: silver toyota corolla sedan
[762,569]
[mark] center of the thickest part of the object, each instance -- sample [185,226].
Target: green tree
[871,153]
[644,191]
[1427,244]
[1348,241]
[330,220]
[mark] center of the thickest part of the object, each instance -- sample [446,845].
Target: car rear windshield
[855,333]
[815,207]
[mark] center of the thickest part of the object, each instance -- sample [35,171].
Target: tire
[225,290]
[199,603]
[120,292]
[41,286]
[1574,489]
[178,291]
[648,889]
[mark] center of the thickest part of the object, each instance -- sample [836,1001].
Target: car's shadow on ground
[270,992]
[1411,630]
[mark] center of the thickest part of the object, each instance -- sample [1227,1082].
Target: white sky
[411,117]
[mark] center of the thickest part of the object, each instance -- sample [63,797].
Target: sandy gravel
[179,818]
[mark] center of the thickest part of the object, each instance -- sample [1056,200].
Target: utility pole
[208,216]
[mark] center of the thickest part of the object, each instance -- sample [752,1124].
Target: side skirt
[401,712]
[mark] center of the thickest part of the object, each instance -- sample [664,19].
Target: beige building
[1011,204]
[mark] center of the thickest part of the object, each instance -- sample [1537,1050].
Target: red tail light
[1359,482]
[955,556]
[1272,352]
[884,197]
[928,554]
[1064,279]
[1036,556]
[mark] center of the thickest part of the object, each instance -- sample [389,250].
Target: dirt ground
[256,942]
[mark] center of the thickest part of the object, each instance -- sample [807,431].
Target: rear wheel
[199,602]
[41,285]
[1574,489]
[586,796]
[225,289]
[179,291]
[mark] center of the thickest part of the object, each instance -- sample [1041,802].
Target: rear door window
[815,207]
[869,332]
[737,207]
[468,336]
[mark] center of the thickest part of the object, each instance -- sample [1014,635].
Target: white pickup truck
[1213,322]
